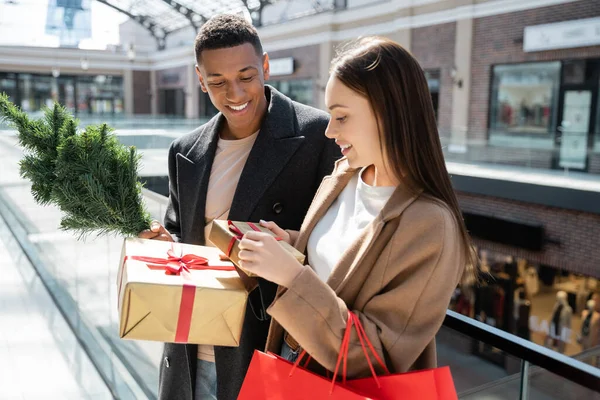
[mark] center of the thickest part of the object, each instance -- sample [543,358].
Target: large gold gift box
[188,304]
[226,235]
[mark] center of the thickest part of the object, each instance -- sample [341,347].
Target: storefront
[171,85]
[80,94]
[533,301]
[552,105]
[293,73]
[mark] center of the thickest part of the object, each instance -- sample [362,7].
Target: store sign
[562,35]
[281,66]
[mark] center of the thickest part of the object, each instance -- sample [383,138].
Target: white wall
[132,32]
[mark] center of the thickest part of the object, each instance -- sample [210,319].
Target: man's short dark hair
[226,30]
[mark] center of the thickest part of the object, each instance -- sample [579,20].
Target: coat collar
[330,190]
[276,143]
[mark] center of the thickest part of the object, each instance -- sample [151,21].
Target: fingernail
[262,221]
[155,226]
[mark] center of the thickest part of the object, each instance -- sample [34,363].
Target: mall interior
[515,86]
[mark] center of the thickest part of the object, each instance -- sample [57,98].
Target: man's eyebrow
[241,70]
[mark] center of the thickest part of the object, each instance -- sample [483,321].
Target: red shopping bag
[271,377]
[430,384]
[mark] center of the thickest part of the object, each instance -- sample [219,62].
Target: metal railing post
[524,389]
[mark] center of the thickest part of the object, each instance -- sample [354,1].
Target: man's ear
[266,66]
[200,79]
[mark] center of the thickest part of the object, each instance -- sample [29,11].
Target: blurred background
[515,86]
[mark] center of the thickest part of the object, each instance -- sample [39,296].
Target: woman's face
[353,125]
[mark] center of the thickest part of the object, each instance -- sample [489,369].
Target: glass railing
[81,278]
[488,363]
[120,121]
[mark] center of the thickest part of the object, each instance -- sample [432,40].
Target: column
[326,54]
[192,97]
[128,89]
[461,95]
[153,93]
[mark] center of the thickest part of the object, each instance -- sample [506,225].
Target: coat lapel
[276,143]
[193,171]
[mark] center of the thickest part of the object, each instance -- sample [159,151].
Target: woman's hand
[280,233]
[262,255]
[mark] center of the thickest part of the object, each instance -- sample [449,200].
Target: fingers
[250,242]
[156,232]
[148,234]
[272,226]
[155,226]
[246,255]
[256,236]
[164,238]
[248,265]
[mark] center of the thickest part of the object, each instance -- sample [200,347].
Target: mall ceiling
[161,17]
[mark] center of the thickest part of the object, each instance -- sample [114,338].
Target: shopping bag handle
[364,336]
[343,353]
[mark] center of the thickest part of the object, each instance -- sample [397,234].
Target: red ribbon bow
[175,265]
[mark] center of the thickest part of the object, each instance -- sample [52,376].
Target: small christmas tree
[89,175]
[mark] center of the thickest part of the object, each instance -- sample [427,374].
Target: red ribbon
[176,265]
[181,265]
[238,235]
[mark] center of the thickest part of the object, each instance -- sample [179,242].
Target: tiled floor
[40,357]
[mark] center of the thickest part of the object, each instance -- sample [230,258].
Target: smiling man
[262,157]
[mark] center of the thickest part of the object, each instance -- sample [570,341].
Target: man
[262,157]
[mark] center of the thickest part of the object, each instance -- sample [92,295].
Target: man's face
[234,79]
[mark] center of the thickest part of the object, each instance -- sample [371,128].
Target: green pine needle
[89,175]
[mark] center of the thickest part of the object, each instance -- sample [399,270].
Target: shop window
[102,94]
[36,92]
[433,81]
[172,102]
[8,85]
[524,98]
[300,90]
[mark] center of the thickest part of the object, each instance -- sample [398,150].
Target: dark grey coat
[289,159]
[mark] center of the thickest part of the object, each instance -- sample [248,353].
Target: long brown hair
[393,82]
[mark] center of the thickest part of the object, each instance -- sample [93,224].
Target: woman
[384,235]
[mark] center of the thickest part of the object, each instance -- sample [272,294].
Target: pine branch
[89,175]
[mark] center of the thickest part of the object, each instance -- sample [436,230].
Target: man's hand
[156,232]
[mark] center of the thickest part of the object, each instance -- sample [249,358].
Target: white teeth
[239,108]
[346,146]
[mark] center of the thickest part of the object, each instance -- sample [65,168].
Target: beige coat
[398,277]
